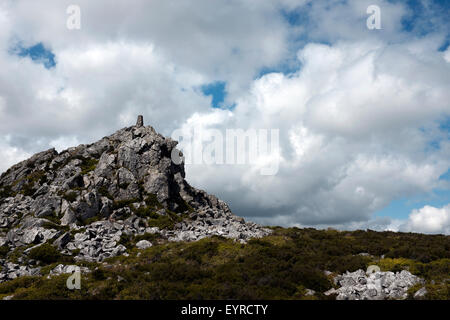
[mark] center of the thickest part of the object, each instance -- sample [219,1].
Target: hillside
[288,264]
[121,210]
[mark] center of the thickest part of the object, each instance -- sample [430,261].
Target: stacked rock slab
[55,197]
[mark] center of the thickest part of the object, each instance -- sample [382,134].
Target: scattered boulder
[10,271]
[421,293]
[374,286]
[310,292]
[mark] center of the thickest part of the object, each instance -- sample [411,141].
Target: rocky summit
[85,200]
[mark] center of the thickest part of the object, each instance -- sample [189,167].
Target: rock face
[374,286]
[86,198]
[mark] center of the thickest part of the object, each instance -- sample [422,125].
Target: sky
[363,114]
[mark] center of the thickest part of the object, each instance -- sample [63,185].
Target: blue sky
[38,53]
[401,208]
[217,92]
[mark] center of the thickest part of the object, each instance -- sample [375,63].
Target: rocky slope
[375,286]
[85,199]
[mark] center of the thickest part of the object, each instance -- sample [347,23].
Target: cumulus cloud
[355,126]
[428,220]
[447,55]
[10,155]
[150,58]
[215,38]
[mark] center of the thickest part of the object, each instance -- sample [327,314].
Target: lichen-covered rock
[374,286]
[421,293]
[10,270]
[67,269]
[85,198]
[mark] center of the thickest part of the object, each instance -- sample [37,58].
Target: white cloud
[10,155]
[355,133]
[357,120]
[149,58]
[64,142]
[447,55]
[346,20]
[428,220]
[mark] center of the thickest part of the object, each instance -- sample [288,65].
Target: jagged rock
[67,269]
[62,240]
[330,292]
[374,286]
[120,181]
[310,292]
[143,244]
[364,254]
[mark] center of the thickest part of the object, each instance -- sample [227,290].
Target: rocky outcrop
[10,270]
[84,199]
[67,269]
[374,286]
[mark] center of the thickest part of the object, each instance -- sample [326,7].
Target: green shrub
[4,251]
[104,192]
[152,201]
[70,196]
[199,249]
[125,240]
[28,190]
[6,192]
[145,212]
[162,222]
[45,253]
[98,274]
[16,254]
[30,181]
[55,225]
[73,232]
[439,291]
[50,289]
[88,165]
[124,203]
[183,206]
[152,237]
[53,218]
[10,287]
[280,266]
[124,185]
[90,220]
